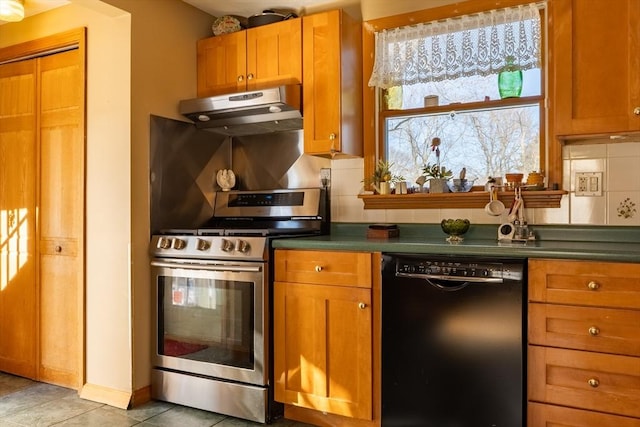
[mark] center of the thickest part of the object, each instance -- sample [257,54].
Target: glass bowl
[461,185]
[455,228]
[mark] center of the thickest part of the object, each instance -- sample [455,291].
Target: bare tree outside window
[488,142]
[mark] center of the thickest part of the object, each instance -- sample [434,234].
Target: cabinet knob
[594,331]
[240,78]
[58,249]
[318,268]
[250,76]
[593,285]
[636,111]
[593,382]
[362,306]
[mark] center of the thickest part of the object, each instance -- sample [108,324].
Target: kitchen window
[440,79]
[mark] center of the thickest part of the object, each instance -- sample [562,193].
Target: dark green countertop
[621,244]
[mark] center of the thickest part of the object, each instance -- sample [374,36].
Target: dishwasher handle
[442,281]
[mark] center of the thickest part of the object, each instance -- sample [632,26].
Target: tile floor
[25,403]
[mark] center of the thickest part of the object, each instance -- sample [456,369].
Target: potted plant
[382,177]
[436,174]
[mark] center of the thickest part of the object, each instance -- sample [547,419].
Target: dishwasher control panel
[458,270]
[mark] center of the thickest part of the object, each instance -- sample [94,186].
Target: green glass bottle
[510,80]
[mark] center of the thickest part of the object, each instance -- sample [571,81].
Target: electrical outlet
[588,183]
[325,177]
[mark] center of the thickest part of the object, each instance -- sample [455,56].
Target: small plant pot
[438,185]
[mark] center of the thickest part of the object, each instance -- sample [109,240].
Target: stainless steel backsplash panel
[184,161]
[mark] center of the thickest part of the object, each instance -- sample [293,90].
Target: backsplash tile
[624,208]
[618,162]
[623,174]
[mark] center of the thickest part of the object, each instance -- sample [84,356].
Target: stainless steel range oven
[212,292]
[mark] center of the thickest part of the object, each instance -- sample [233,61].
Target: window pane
[464,89]
[485,142]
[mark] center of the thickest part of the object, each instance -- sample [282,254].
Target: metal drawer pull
[593,382]
[594,331]
[593,285]
[362,306]
[318,268]
[636,111]
[58,249]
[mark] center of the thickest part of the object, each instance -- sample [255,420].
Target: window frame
[373,124]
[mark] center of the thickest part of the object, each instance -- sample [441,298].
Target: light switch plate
[588,183]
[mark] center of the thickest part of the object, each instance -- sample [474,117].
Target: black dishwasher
[453,341]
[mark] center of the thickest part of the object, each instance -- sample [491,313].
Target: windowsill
[473,199]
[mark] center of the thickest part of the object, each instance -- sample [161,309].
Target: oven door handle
[208,267]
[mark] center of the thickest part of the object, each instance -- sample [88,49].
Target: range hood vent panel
[248,113]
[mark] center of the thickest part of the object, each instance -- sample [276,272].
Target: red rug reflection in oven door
[180,348]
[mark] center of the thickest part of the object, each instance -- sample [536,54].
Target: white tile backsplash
[623,174]
[627,149]
[619,163]
[587,151]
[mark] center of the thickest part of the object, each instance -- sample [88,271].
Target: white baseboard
[117,398]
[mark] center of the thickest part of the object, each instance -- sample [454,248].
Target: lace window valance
[468,45]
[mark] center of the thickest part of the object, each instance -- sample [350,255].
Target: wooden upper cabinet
[332,65]
[274,54]
[222,63]
[596,66]
[257,58]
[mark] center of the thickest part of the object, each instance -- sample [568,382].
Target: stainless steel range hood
[247,113]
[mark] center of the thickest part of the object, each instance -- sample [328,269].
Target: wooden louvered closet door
[42,185]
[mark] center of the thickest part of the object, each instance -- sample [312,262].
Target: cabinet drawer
[324,267]
[602,284]
[595,381]
[539,415]
[585,328]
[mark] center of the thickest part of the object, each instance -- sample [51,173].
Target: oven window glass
[206,320]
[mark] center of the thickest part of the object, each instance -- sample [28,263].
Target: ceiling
[247,8]
[213,7]
[33,7]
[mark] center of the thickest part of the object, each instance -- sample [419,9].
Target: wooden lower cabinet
[540,415]
[323,336]
[584,344]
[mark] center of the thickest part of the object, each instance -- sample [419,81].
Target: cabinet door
[274,54]
[596,57]
[540,415]
[590,283]
[585,328]
[581,379]
[321,47]
[323,348]
[222,63]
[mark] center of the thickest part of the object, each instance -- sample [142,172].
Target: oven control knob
[242,246]
[202,245]
[178,243]
[226,245]
[164,243]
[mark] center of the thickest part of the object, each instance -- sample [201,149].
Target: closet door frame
[70,40]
